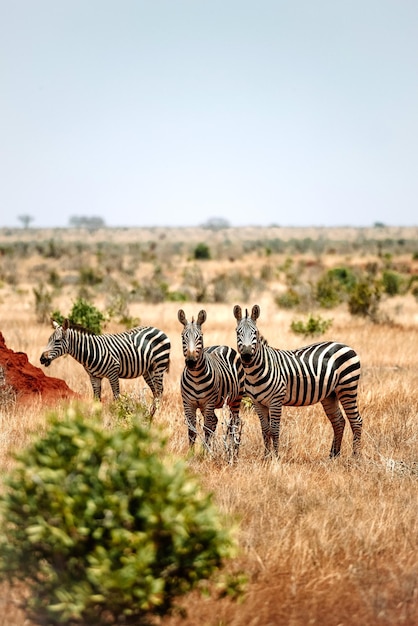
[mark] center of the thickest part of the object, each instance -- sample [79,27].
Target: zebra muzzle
[246,355]
[45,360]
[191,363]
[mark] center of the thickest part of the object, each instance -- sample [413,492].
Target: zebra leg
[275,418]
[96,383]
[210,422]
[335,416]
[233,434]
[263,414]
[351,410]
[156,389]
[114,383]
[190,417]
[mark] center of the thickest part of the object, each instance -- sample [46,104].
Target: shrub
[87,315]
[392,282]
[288,300]
[328,292]
[201,252]
[313,326]
[84,314]
[101,529]
[365,298]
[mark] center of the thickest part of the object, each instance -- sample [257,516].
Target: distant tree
[91,223]
[216,223]
[25,219]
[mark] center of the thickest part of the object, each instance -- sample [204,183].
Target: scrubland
[326,542]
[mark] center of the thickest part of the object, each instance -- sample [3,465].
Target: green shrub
[365,298]
[313,326]
[328,292]
[84,314]
[101,530]
[392,282]
[87,315]
[201,252]
[288,300]
[333,286]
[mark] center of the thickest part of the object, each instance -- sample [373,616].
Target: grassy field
[321,542]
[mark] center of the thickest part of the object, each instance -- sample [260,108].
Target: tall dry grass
[321,542]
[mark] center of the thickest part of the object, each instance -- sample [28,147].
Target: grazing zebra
[326,372]
[142,351]
[212,377]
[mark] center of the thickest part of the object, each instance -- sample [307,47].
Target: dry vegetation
[321,542]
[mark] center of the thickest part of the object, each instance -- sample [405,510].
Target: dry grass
[321,542]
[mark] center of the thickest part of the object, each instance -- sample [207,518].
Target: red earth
[29,382]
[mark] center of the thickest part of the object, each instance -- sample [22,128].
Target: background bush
[84,314]
[101,530]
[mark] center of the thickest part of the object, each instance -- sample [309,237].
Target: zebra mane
[263,340]
[81,329]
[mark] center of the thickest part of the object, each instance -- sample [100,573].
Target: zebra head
[57,343]
[247,333]
[192,338]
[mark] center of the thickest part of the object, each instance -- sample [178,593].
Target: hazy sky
[172,112]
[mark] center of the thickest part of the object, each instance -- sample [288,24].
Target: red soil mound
[29,382]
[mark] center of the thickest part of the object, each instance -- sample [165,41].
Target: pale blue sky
[171,112]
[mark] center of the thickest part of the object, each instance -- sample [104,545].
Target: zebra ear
[182,317]
[66,324]
[237,312]
[255,313]
[201,318]
[54,324]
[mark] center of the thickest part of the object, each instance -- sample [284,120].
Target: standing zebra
[142,351]
[326,372]
[212,377]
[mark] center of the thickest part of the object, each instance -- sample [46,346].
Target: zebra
[141,351]
[326,372]
[212,378]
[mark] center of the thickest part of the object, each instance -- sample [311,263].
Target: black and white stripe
[212,377]
[326,372]
[142,351]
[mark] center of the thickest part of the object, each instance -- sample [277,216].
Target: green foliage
[332,288]
[87,315]
[392,282]
[328,292]
[130,407]
[102,530]
[201,252]
[313,326]
[344,276]
[290,299]
[84,314]
[365,298]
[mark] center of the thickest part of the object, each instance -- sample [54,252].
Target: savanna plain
[320,541]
